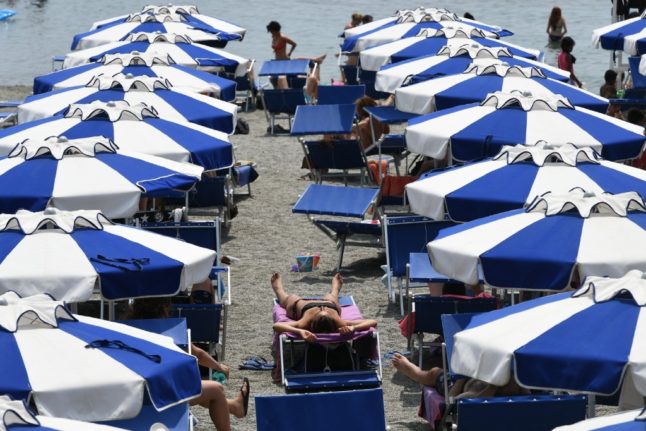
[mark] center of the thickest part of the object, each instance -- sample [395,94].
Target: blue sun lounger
[359,410]
[340,94]
[281,103]
[326,155]
[341,202]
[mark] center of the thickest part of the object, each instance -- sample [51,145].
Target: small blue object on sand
[6,13]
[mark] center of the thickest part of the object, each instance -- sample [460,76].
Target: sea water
[44,28]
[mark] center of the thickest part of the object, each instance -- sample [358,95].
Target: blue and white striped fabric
[138,64]
[628,35]
[469,132]
[135,128]
[632,420]
[178,47]
[409,23]
[15,415]
[590,340]
[477,81]
[514,177]
[87,369]
[83,250]
[454,59]
[87,173]
[220,25]
[169,103]
[430,43]
[543,246]
[149,23]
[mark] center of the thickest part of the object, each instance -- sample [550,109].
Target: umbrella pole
[111,311]
[591,405]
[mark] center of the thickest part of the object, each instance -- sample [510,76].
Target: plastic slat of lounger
[202,319]
[344,154]
[173,327]
[527,413]
[176,418]
[390,144]
[389,115]
[335,200]
[202,234]
[360,410]
[284,67]
[340,94]
[323,119]
[299,382]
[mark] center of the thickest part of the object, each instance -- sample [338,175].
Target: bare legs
[214,398]
[337,284]
[415,373]
[285,300]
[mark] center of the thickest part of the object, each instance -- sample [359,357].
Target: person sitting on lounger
[213,396]
[313,315]
[460,388]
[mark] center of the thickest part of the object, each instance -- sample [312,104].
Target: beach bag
[242,127]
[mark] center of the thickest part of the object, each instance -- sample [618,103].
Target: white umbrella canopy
[88,369]
[633,420]
[71,254]
[15,415]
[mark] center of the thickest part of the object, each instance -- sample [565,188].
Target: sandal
[256,363]
[245,396]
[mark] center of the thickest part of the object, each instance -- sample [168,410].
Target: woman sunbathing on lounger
[313,315]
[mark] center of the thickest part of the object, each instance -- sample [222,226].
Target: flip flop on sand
[245,394]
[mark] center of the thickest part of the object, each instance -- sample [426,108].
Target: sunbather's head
[362,103]
[151,308]
[323,323]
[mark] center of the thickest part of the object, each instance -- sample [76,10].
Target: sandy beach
[266,237]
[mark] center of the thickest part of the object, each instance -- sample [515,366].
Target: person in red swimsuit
[566,59]
[279,42]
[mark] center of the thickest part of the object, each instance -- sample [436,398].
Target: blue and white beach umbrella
[591,340]
[633,420]
[169,103]
[149,23]
[476,130]
[543,246]
[87,173]
[430,41]
[628,35]
[514,177]
[15,415]
[195,16]
[409,23]
[135,128]
[176,46]
[477,81]
[88,369]
[454,59]
[138,64]
[71,254]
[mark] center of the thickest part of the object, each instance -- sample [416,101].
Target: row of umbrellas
[547,207]
[91,141]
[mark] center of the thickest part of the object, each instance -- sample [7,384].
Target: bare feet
[319,59]
[276,283]
[337,283]
[413,372]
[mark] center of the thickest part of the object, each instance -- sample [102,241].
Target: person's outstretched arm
[206,360]
[294,328]
[351,326]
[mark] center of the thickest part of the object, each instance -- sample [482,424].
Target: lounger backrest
[359,410]
[209,192]
[340,94]
[408,234]
[174,327]
[367,78]
[477,305]
[202,319]
[283,101]
[341,154]
[527,413]
[428,312]
[201,234]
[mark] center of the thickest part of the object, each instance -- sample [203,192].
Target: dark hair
[273,26]
[361,104]
[610,76]
[555,16]
[323,324]
[151,308]
[635,116]
[366,19]
[467,15]
[567,43]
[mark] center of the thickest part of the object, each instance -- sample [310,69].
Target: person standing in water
[556,27]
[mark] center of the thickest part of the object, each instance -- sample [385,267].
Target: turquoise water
[44,28]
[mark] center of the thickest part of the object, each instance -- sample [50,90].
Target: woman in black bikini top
[315,316]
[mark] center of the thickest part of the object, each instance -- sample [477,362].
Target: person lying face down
[315,316]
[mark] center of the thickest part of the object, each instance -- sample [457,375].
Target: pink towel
[431,406]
